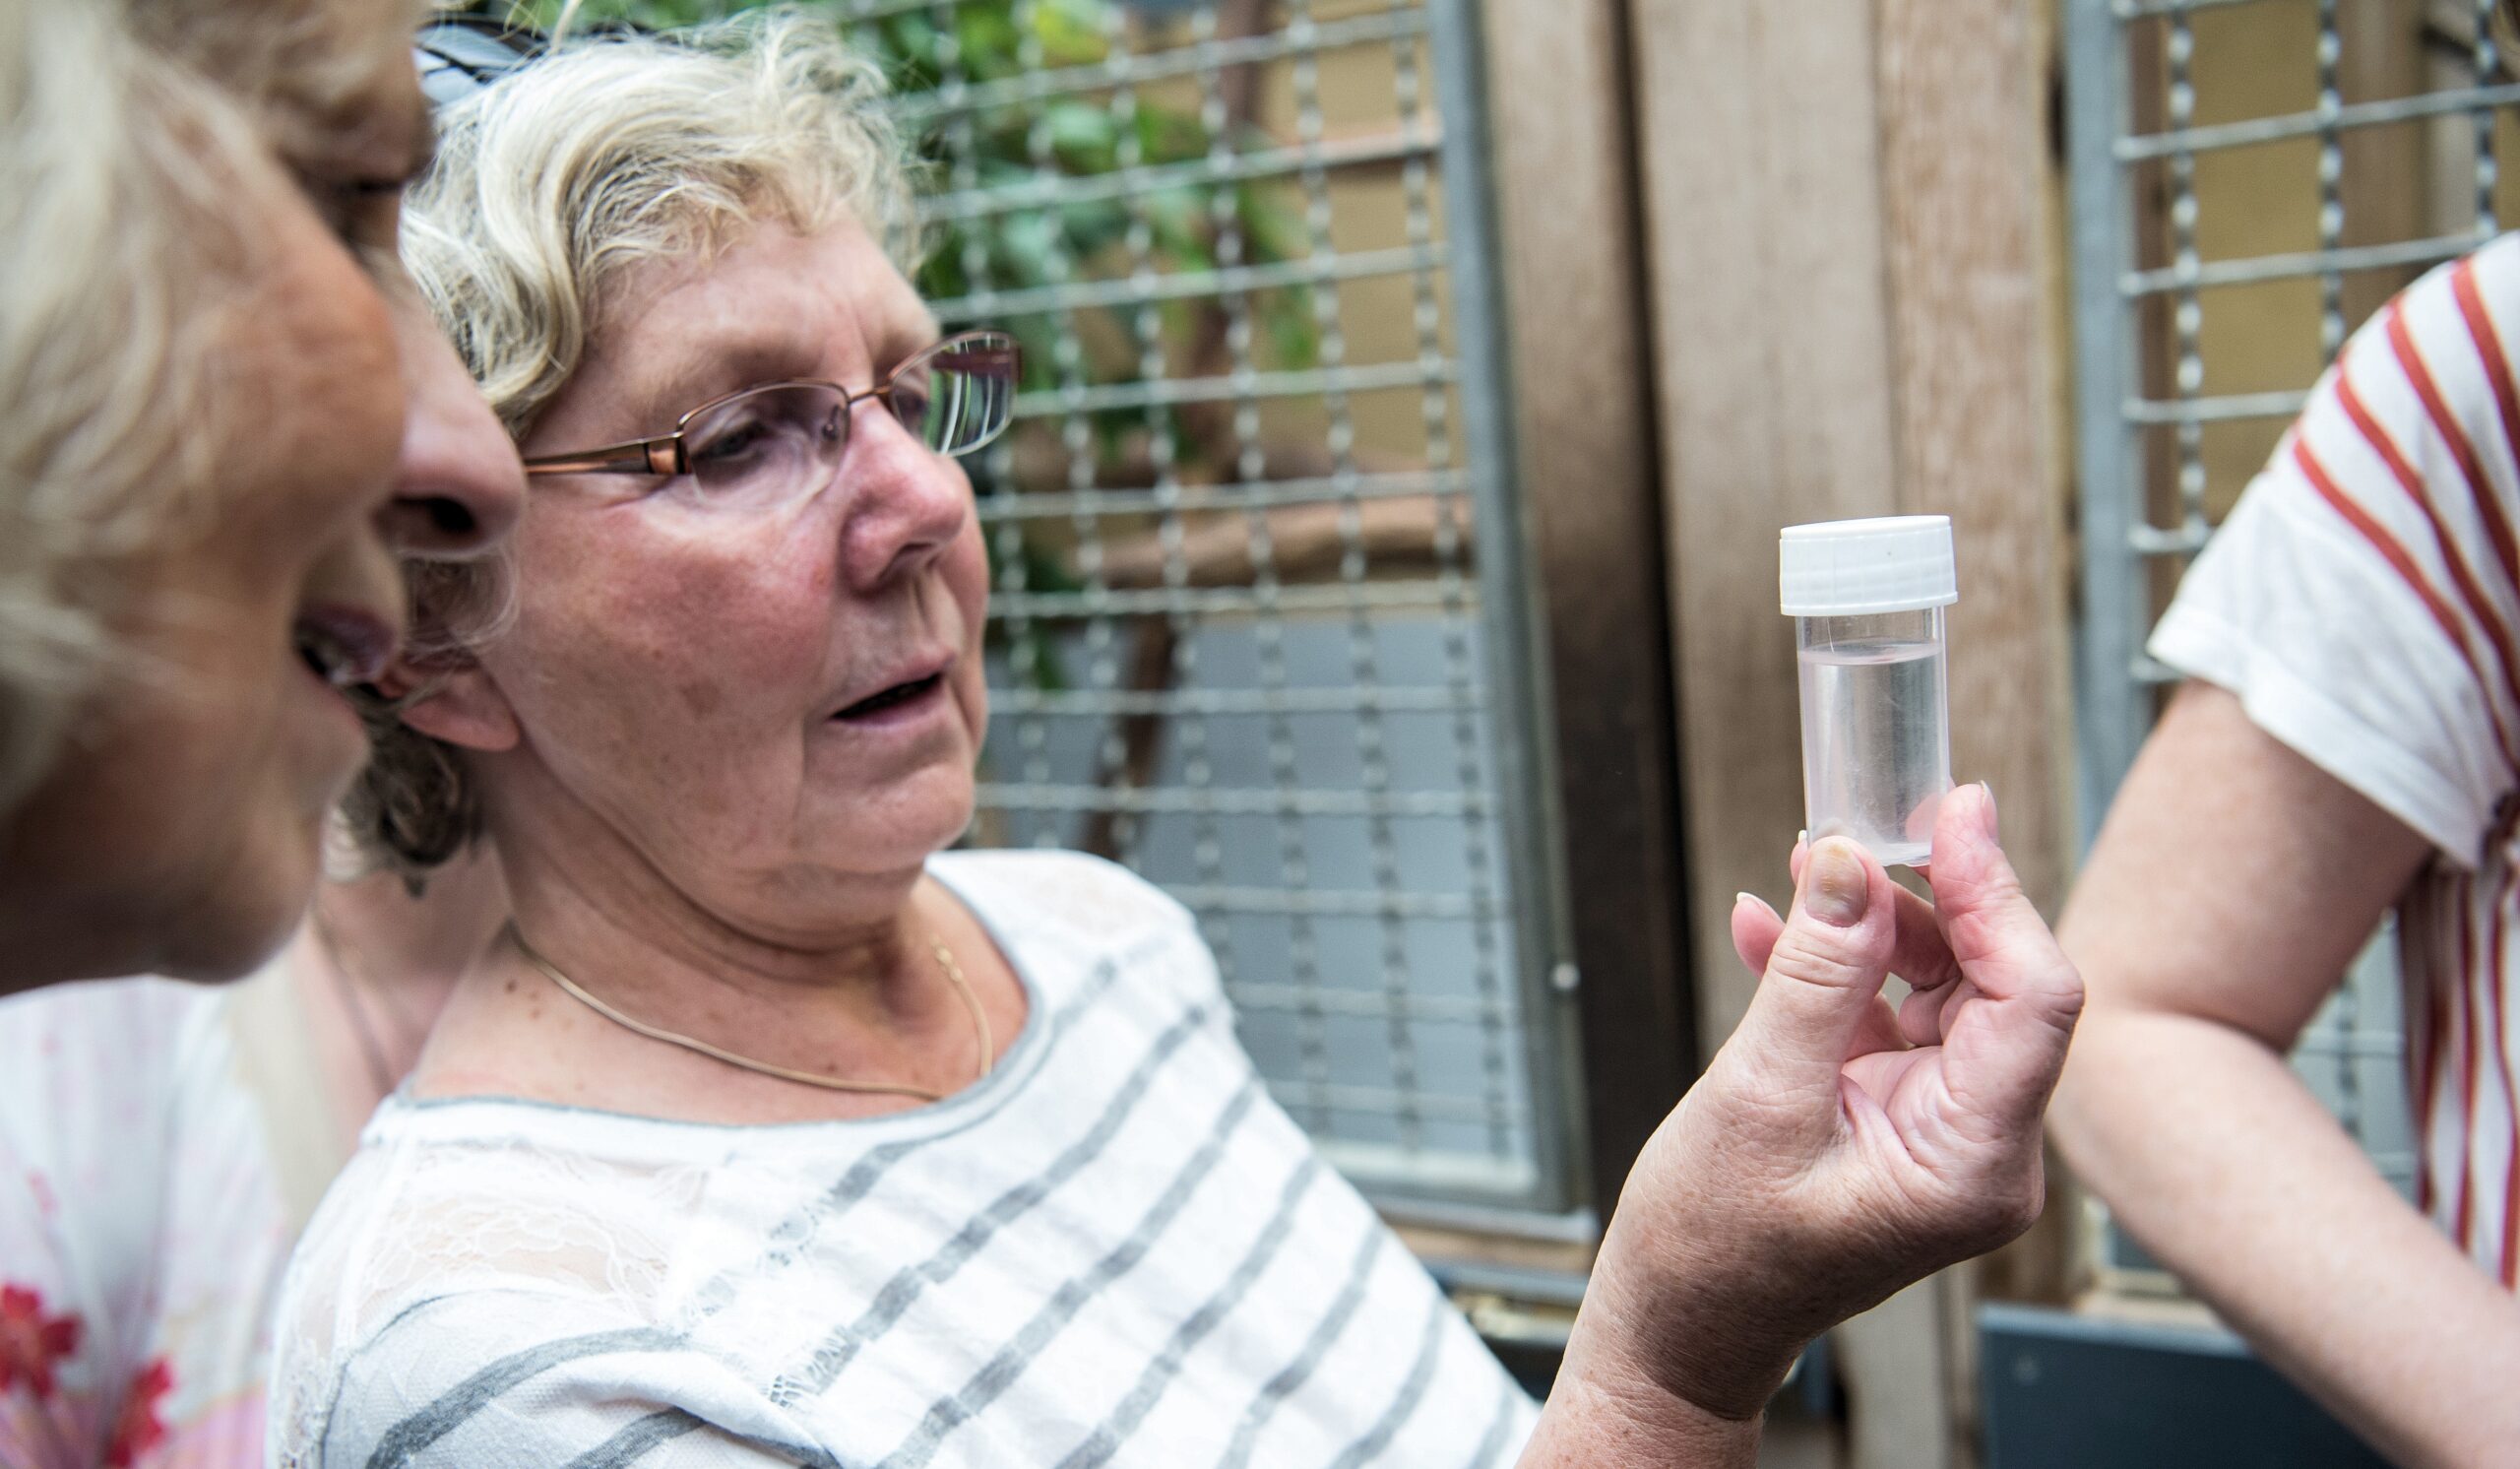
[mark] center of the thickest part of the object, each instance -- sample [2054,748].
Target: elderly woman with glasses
[774,1133]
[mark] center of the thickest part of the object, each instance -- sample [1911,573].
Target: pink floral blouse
[142,1233]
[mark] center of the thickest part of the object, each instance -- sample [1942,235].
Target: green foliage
[1075,137]
[1176,219]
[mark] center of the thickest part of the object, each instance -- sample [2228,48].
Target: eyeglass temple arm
[664,456]
[642,457]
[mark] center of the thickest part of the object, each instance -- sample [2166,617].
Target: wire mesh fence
[2250,180]
[1242,639]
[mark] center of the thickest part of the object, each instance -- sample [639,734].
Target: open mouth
[893,697]
[325,657]
[343,647]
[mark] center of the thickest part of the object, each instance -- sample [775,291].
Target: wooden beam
[1963,185]
[1563,152]
[1963,164]
[1844,221]
[2386,183]
[1900,1415]
[1772,356]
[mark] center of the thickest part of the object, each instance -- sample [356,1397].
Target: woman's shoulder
[1066,918]
[441,1241]
[2457,325]
[461,1199]
[2497,266]
[1086,895]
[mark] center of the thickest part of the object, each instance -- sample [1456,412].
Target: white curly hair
[120,168]
[609,152]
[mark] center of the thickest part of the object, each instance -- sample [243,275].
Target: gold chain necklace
[944,961]
[346,984]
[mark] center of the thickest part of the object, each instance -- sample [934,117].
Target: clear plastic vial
[1866,597]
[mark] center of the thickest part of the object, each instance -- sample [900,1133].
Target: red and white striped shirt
[2363,600]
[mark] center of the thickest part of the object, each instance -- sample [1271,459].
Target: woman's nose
[911,505]
[460,487]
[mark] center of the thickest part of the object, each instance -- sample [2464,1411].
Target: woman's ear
[449,697]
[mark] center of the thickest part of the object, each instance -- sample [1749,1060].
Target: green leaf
[941,276]
[1038,339]
[1026,249]
[1179,320]
[1274,225]
[911,39]
[1084,138]
[1169,136]
[1112,427]
[1091,225]
[1179,220]
[1073,32]
[1047,572]
[992,47]
[1292,329]
[1012,167]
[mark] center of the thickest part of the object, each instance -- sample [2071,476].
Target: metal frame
[1399,21]
[1517,669]
[1277,163]
[1240,281]
[1495,699]
[1314,383]
[2111,409]
[2258,130]
[2116,408]
[2111,719]
[1592,544]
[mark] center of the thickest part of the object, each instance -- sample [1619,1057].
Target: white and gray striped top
[1116,1249]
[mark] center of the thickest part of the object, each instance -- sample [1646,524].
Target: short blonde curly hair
[120,169]
[610,151]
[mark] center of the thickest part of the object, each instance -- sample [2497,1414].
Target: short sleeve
[2355,601]
[516,1377]
[1094,908]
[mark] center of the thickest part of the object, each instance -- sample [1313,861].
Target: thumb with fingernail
[1822,972]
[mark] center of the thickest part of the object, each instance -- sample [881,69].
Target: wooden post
[2385,186]
[1562,145]
[1963,171]
[1842,215]
[1758,135]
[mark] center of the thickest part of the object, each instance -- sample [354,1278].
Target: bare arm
[1593,1420]
[2229,889]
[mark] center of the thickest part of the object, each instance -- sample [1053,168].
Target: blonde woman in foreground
[774,1133]
[226,413]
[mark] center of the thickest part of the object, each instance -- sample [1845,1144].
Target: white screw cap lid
[1854,568]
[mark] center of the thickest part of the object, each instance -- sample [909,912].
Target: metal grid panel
[1240,639]
[2250,179]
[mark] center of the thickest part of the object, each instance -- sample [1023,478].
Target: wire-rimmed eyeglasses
[767,439]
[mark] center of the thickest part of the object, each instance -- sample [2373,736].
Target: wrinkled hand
[1836,1151]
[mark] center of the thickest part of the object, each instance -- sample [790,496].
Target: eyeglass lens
[954,399]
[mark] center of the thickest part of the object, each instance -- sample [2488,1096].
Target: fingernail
[1836,890]
[1991,826]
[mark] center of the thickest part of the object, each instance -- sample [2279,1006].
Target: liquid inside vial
[1876,744]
